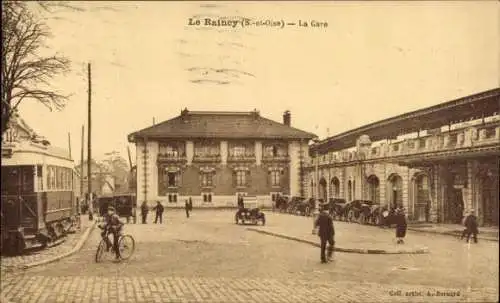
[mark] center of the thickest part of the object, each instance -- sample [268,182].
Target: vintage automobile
[124,204]
[357,210]
[250,212]
[336,208]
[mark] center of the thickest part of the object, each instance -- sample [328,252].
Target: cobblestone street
[207,258]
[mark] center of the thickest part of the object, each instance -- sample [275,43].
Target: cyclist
[114,226]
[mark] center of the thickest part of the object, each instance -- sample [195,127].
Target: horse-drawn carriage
[281,203]
[358,211]
[250,212]
[336,207]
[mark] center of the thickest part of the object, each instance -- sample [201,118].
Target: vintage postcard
[250,151]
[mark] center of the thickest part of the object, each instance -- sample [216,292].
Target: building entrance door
[489,202]
[456,206]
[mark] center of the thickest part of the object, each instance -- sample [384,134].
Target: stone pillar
[406,189]
[294,165]
[435,194]
[152,169]
[189,152]
[139,154]
[342,183]
[467,192]
[258,153]
[223,152]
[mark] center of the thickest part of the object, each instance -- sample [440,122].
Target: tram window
[10,180]
[28,178]
[39,178]
[53,178]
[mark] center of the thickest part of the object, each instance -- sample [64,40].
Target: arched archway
[395,191]
[374,189]
[488,200]
[421,198]
[334,187]
[322,189]
[349,190]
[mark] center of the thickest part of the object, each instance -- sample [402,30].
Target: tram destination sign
[6,152]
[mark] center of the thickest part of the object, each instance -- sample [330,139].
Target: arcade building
[438,162]
[213,157]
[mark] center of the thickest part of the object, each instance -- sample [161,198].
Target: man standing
[159,212]
[144,211]
[326,233]
[471,226]
[186,207]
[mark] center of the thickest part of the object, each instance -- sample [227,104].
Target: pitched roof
[235,125]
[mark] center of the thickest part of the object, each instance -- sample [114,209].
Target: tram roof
[463,109]
[30,153]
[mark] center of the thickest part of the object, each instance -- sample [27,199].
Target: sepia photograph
[250,151]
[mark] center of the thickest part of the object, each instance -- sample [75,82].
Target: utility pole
[81,162]
[89,146]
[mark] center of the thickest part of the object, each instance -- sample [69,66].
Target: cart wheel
[377,220]
[350,216]
[100,251]
[362,218]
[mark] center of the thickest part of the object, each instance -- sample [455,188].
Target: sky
[374,60]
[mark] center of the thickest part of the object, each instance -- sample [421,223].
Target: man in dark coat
[401,224]
[326,232]
[471,226]
[159,212]
[144,212]
[186,207]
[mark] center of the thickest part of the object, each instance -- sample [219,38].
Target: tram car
[38,206]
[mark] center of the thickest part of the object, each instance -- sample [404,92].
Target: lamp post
[316,185]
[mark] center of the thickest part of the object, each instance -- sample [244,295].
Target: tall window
[172,179]
[206,179]
[168,150]
[275,178]
[241,179]
[349,190]
[238,151]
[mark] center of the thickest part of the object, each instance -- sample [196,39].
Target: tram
[38,206]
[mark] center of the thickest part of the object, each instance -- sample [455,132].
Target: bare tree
[25,74]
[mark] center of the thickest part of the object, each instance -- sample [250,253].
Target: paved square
[207,258]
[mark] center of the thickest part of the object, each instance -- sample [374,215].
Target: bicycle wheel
[126,246]
[100,251]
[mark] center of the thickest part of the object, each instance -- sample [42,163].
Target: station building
[213,157]
[438,162]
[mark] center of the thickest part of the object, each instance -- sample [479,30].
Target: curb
[346,250]
[450,233]
[78,246]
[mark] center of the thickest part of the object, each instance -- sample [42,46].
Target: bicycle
[126,246]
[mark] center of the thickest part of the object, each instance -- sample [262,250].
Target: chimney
[287,118]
